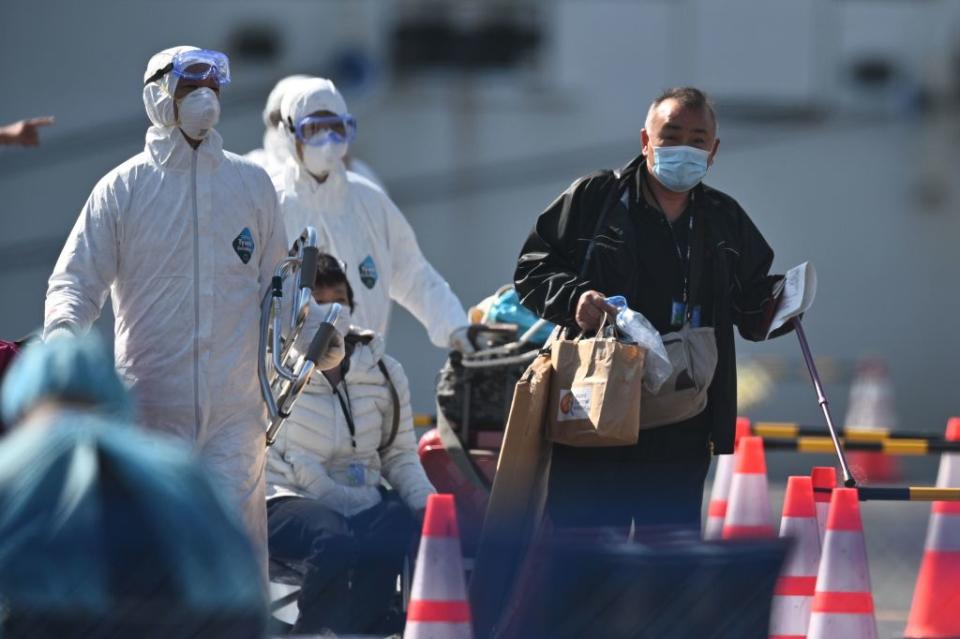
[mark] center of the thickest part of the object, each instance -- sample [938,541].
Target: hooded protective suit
[274,153]
[185,241]
[359,224]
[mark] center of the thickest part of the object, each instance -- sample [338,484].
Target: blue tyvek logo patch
[368,272]
[243,245]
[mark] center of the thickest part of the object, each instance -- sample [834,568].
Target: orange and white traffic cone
[871,408]
[824,481]
[935,612]
[717,510]
[748,513]
[438,602]
[843,603]
[793,595]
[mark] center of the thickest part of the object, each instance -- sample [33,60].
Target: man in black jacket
[643,221]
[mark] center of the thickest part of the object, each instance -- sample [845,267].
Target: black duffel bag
[474,391]
[477,398]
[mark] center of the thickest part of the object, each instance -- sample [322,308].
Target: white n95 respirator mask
[199,111]
[324,158]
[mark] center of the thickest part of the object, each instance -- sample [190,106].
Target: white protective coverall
[274,154]
[361,168]
[357,223]
[185,241]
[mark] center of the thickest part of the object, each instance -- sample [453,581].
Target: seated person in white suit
[329,516]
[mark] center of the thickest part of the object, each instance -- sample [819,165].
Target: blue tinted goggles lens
[317,130]
[202,65]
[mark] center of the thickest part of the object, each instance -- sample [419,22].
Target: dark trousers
[657,483]
[349,564]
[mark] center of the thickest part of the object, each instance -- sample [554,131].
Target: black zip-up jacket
[736,263]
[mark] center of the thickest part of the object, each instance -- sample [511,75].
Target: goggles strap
[159,74]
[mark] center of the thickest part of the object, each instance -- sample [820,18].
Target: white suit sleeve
[87,266]
[400,463]
[416,285]
[276,245]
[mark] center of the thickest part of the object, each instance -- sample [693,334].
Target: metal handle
[282,380]
[266,306]
[290,390]
[306,251]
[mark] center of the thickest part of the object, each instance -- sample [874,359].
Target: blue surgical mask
[679,168]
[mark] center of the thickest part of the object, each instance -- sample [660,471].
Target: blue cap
[618,301]
[64,369]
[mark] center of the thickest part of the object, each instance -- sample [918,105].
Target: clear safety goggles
[197,65]
[317,130]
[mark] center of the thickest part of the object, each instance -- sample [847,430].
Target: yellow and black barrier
[424,420]
[908,493]
[914,447]
[792,429]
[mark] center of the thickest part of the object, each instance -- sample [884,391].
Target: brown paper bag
[595,392]
[517,500]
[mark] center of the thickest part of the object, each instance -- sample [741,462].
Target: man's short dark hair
[330,272]
[689,97]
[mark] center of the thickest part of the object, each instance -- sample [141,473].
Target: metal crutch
[866,493]
[286,377]
[848,479]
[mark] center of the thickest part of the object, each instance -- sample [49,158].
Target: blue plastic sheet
[508,310]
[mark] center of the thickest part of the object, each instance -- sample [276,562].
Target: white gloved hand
[343,320]
[334,354]
[459,341]
[337,349]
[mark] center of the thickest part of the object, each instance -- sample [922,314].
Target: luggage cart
[474,395]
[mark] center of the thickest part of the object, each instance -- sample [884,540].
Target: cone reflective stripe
[748,510]
[843,603]
[824,481]
[935,611]
[720,492]
[793,595]
[438,603]
[717,510]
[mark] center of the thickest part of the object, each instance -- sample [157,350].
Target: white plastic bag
[657,367]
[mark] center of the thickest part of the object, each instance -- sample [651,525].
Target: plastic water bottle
[627,320]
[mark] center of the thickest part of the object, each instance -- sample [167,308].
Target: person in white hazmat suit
[185,238]
[356,221]
[273,154]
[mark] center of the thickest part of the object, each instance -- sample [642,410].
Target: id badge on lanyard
[357,473]
[678,314]
[679,311]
